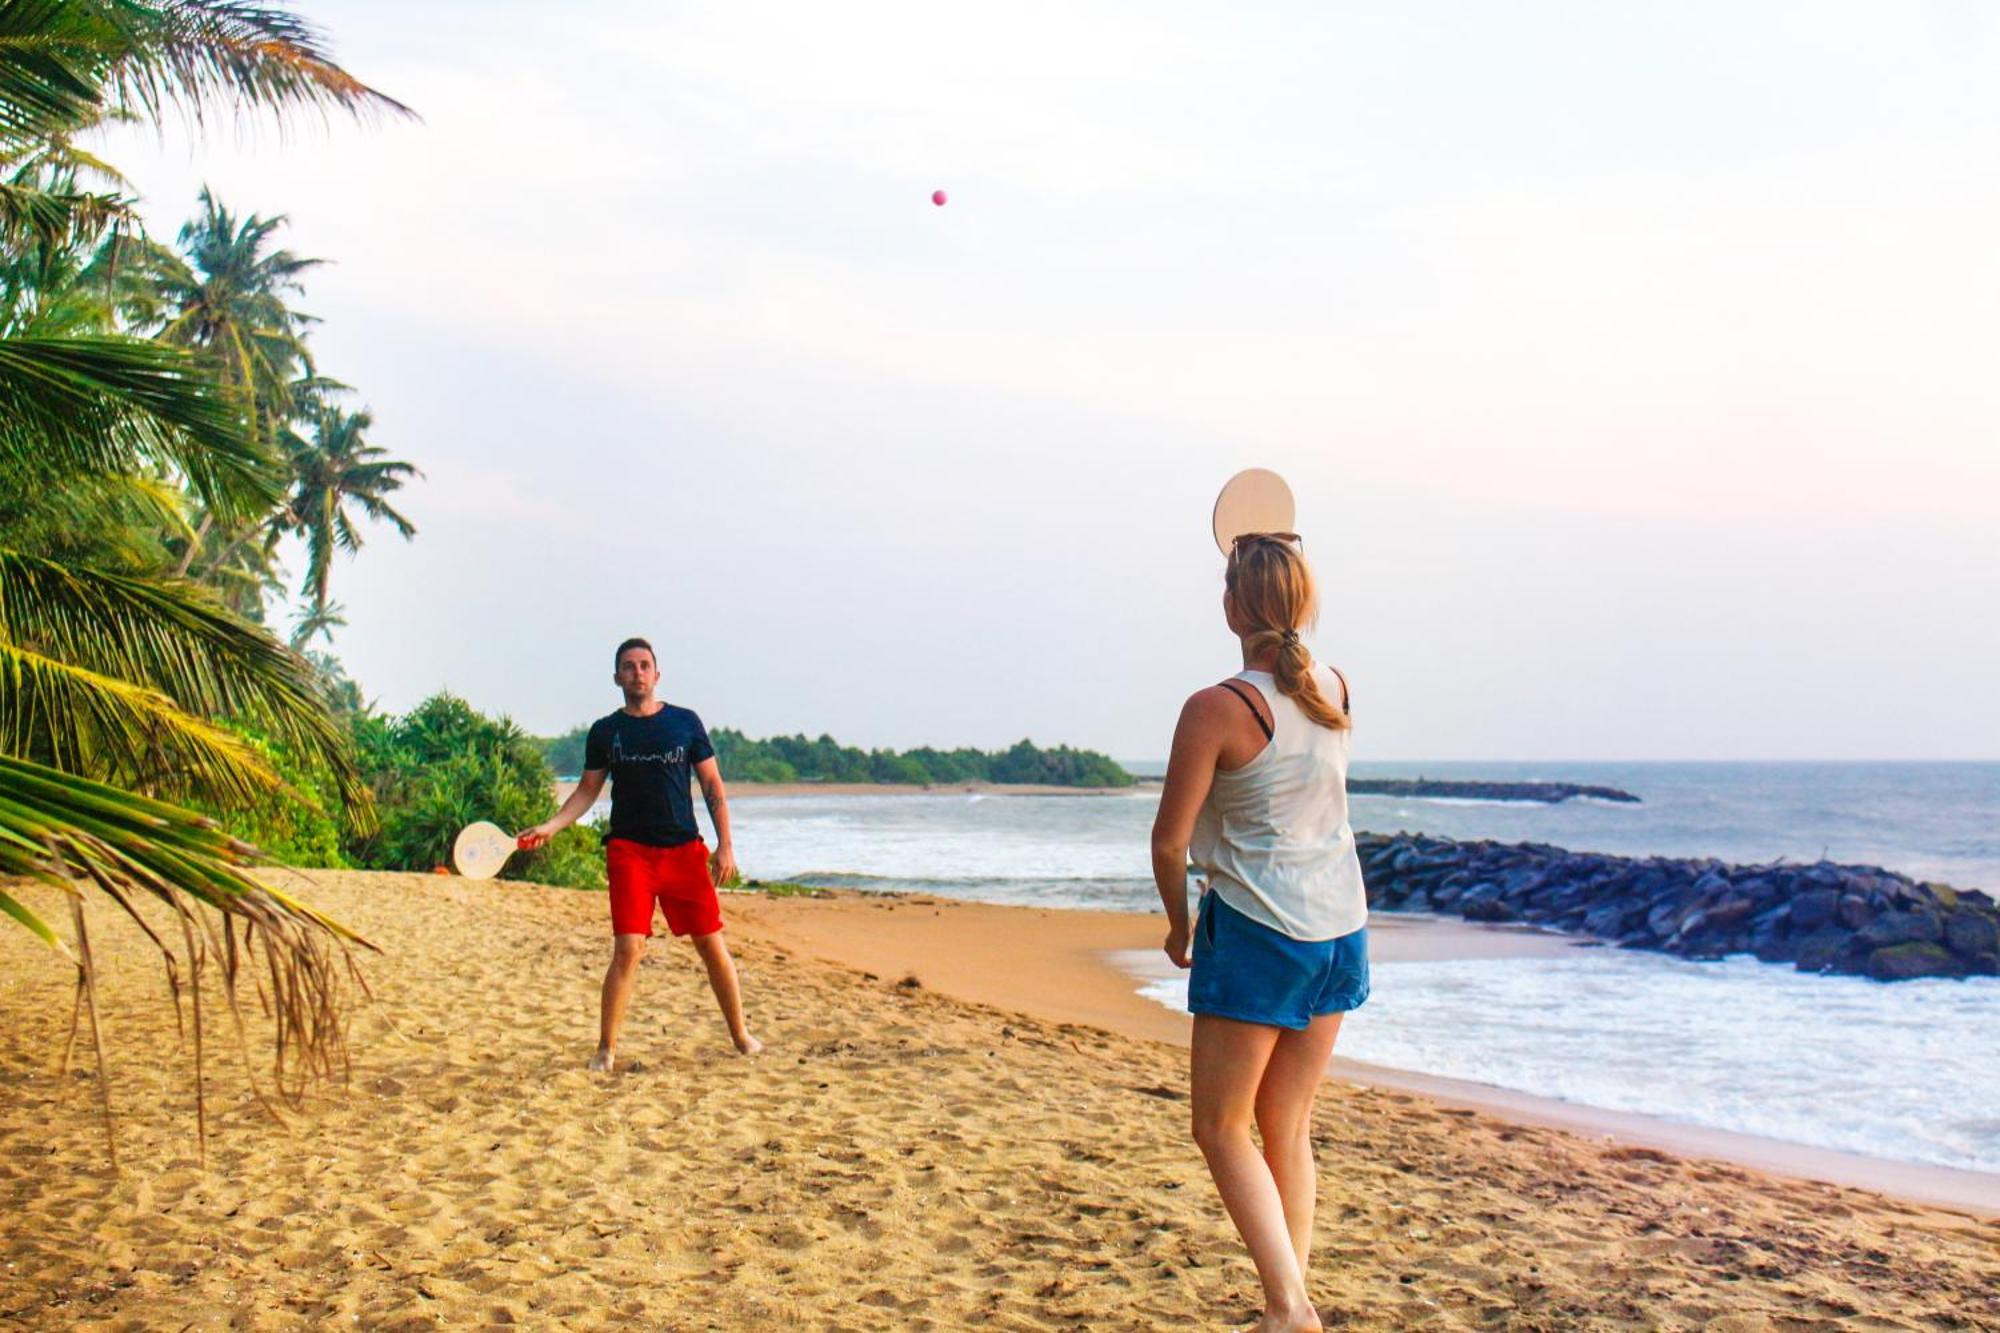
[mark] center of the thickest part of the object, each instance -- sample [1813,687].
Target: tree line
[797,759]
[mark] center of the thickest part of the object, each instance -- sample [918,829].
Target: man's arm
[580,799]
[723,860]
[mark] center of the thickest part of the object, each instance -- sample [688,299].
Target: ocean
[1902,1071]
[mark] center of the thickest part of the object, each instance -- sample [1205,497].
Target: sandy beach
[925,1144]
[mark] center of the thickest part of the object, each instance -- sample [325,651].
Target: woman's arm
[1190,772]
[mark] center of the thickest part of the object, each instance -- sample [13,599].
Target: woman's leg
[1284,1121]
[1228,1064]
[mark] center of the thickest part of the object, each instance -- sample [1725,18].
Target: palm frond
[173,638]
[65,64]
[53,58]
[139,842]
[112,520]
[79,835]
[56,217]
[98,726]
[200,55]
[109,403]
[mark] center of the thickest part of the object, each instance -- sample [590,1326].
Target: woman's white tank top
[1273,837]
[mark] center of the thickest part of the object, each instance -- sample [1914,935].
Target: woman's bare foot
[746,1044]
[601,1062]
[1303,1320]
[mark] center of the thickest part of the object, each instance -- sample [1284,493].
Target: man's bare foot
[601,1062]
[747,1044]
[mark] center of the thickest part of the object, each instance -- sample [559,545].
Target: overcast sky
[1637,367]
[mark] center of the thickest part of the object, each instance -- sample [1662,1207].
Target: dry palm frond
[77,834]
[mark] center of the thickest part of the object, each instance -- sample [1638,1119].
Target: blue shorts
[1247,971]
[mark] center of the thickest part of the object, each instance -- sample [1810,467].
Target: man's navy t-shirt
[651,759]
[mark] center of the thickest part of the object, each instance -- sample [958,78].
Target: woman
[1257,787]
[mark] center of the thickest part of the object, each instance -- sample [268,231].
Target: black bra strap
[1255,712]
[1345,705]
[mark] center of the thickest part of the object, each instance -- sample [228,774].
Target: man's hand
[1178,938]
[534,838]
[722,865]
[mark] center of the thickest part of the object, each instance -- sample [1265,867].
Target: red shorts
[675,877]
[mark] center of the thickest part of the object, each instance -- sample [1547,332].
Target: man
[653,851]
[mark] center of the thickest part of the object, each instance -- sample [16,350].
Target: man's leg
[722,980]
[626,951]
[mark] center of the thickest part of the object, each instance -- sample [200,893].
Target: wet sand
[1087,967]
[902,1156]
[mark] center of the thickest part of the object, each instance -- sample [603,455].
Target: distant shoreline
[753,790]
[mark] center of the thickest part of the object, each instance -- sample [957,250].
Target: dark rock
[1547,793]
[1813,909]
[1771,944]
[1892,928]
[1910,897]
[1712,882]
[1777,914]
[1970,935]
[1759,889]
[1649,882]
[1904,962]
[1730,910]
[1822,918]
[1490,909]
[1607,922]
[1821,950]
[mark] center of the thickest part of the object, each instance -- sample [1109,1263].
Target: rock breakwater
[1855,920]
[1545,793]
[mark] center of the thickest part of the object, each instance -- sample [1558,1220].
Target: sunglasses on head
[1291,539]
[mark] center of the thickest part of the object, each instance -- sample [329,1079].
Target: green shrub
[444,765]
[574,859]
[302,826]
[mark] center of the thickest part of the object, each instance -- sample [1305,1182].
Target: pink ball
[938,197]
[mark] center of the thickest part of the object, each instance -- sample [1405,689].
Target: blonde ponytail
[1272,587]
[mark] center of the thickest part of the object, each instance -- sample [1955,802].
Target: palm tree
[111,680]
[321,618]
[223,293]
[333,469]
[224,296]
